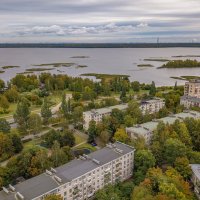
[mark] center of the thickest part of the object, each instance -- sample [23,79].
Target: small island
[10,67]
[157,59]
[185,78]
[186,56]
[106,77]
[80,57]
[1,71]
[39,69]
[81,66]
[145,65]
[181,64]
[56,64]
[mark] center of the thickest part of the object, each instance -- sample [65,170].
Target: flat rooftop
[145,128]
[107,109]
[44,183]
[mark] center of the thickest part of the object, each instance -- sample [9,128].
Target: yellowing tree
[53,197]
[121,135]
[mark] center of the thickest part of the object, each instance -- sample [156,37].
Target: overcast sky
[99,20]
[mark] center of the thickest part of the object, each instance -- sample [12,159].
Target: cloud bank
[99,21]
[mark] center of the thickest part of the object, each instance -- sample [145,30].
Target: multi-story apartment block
[152,106]
[196,178]
[192,88]
[148,106]
[146,130]
[98,114]
[188,101]
[78,179]
[191,96]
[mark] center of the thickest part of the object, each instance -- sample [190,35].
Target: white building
[78,179]
[98,114]
[191,96]
[152,106]
[196,178]
[188,101]
[192,88]
[145,130]
[148,106]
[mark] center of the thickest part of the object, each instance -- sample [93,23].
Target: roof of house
[145,128]
[190,98]
[44,183]
[107,109]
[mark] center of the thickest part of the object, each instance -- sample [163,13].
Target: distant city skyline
[99,21]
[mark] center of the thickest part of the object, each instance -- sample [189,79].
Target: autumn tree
[53,197]
[121,135]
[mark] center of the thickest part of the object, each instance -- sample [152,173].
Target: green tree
[92,131]
[2,84]
[173,148]
[64,106]
[21,115]
[135,112]
[46,111]
[152,91]
[4,126]
[107,193]
[35,123]
[181,164]
[77,115]
[58,156]
[129,121]
[135,86]
[144,160]
[4,104]
[16,142]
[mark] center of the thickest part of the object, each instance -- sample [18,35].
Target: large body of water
[109,61]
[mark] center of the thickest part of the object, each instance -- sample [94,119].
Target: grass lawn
[31,144]
[79,139]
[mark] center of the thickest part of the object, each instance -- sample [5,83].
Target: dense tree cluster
[182,64]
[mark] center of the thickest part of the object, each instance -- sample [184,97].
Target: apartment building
[196,178]
[78,179]
[98,114]
[152,106]
[188,101]
[192,88]
[191,96]
[147,106]
[145,130]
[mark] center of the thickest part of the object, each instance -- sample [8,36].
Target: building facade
[196,178]
[191,96]
[148,106]
[98,114]
[146,130]
[78,179]
[192,88]
[152,106]
[188,101]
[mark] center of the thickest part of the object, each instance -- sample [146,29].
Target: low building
[146,129]
[98,114]
[78,179]
[196,178]
[188,101]
[152,106]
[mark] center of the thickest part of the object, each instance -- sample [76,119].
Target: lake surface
[111,61]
